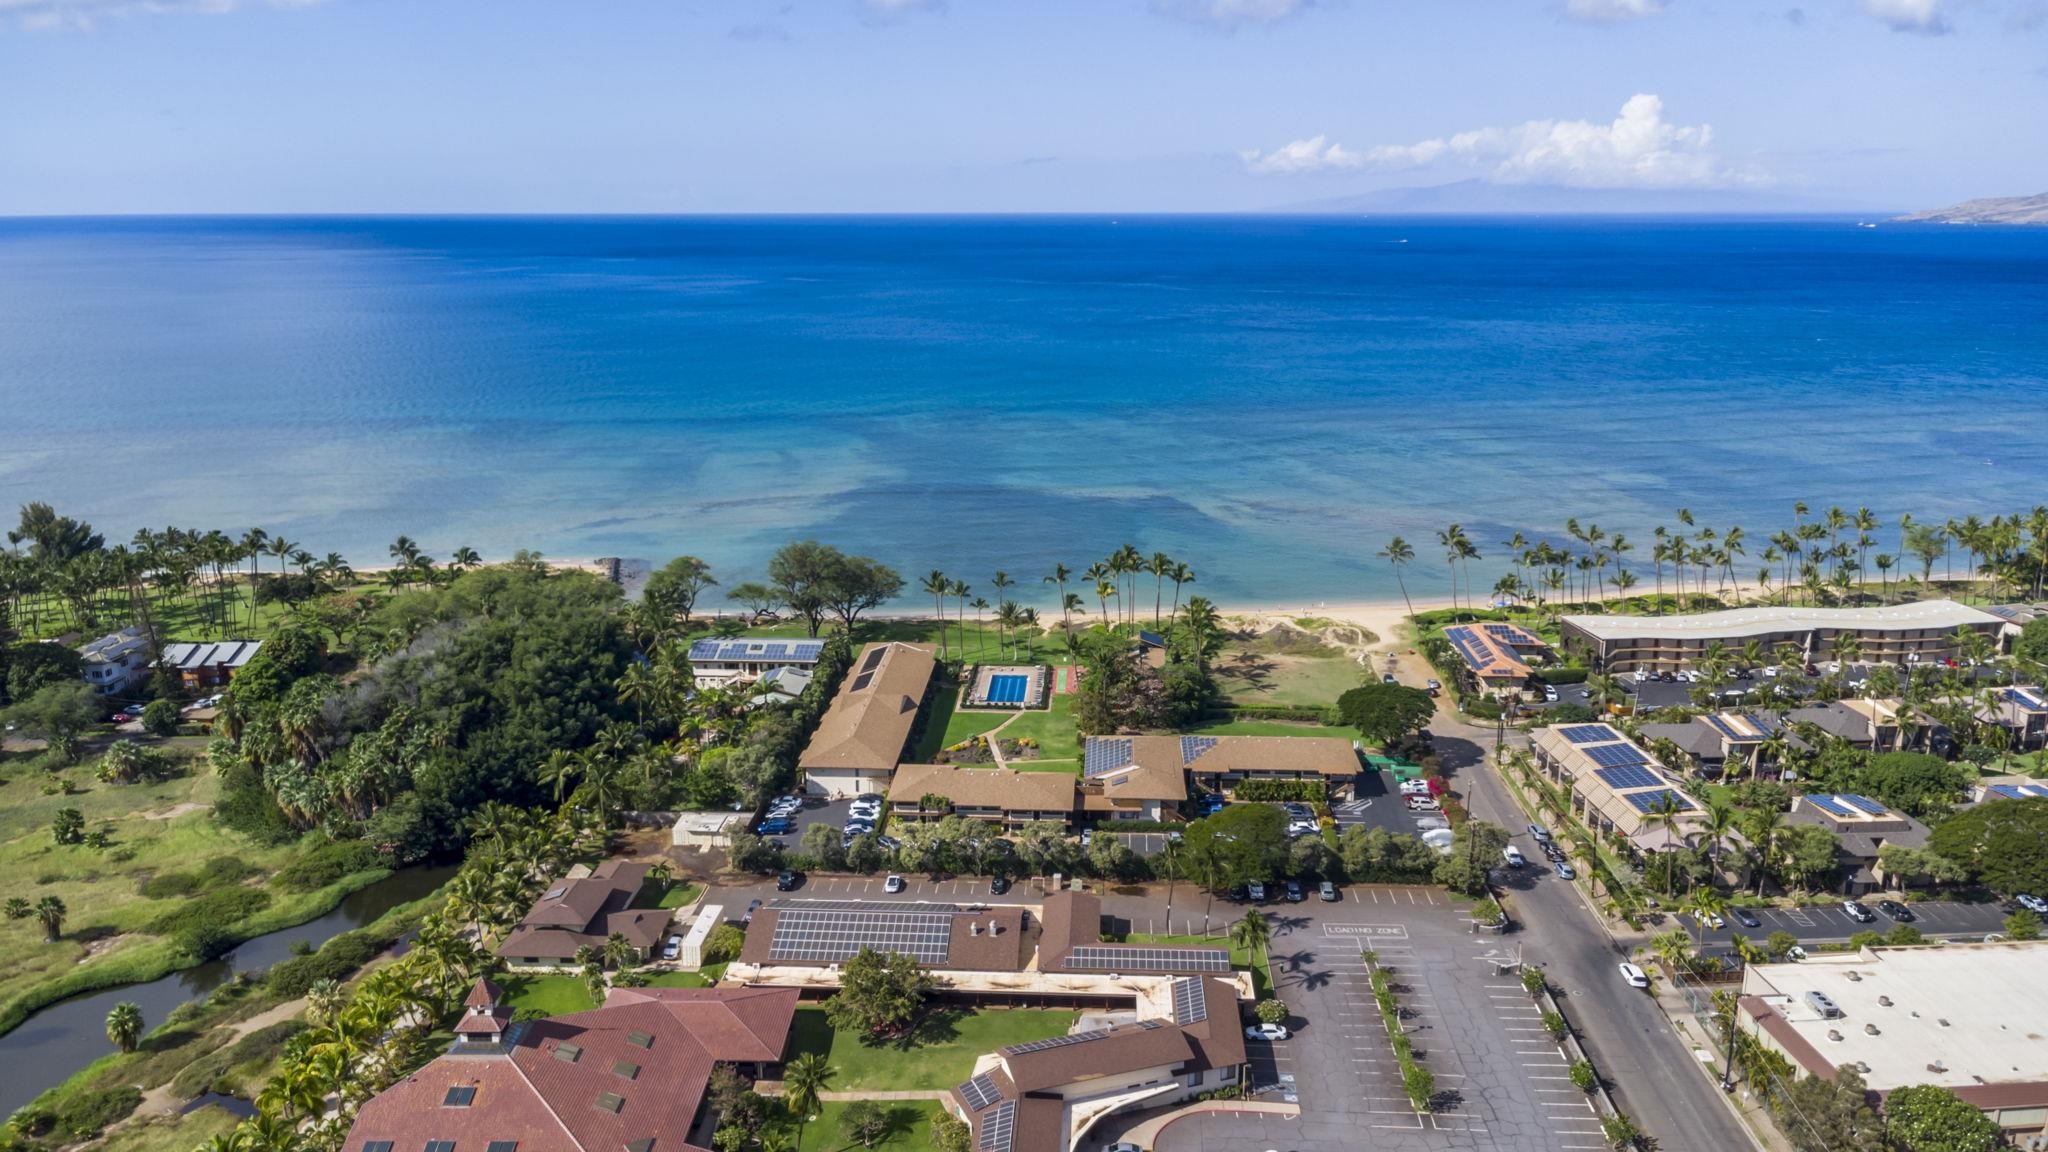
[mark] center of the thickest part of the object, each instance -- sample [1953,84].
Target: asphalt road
[1656,1078]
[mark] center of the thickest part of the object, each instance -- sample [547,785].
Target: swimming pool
[1008,688]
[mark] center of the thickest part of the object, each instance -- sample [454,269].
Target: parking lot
[1939,919]
[1502,1082]
[1376,803]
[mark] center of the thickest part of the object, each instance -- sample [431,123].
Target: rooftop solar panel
[1105,754]
[1866,804]
[1073,1038]
[998,1128]
[874,660]
[980,1092]
[757,651]
[1628,776]
[1588,733]
[1616,755]
[1192,747]
[861,681]
[1828,805]
[1190,1001]
[1138,958]
[829,935]
[1644,802]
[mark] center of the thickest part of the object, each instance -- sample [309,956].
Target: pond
[56,1042]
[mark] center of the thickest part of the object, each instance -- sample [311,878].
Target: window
[460,1096]
[640,1039]
[440,1146]
[568,1053]
[610,1102]
[645,1145]
[376,1146]
[1230,1074]
[627,1069]
[503,1146]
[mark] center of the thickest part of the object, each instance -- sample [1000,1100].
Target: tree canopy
[1242,843]
[880,994]
[1930,1118]
[816,580]
[1999,842]
[1383,713]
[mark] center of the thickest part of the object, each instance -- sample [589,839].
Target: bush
[207,941]
[84,1115]
[328,863]
[1308,791]
[1532,980]
[1307,714]
[165,885]
[336,960]
[1583,1076]
[1563,675]
[1271,1012]
[1482,707]
[222,870]
[724,944]
[217,909]
[160,718]
[1555,1025]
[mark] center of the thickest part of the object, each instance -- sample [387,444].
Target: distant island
[1990,210]
[1482,197]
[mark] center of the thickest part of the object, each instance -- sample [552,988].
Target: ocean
[1268,399]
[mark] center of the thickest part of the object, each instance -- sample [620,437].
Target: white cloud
[1927,17]
[1611,11]
[895,9]
[1232,14]
[1638,149]
[86,14]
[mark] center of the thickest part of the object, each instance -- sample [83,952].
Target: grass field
[552,995]
[1274,728]
[909,1128]
[172,1133]
[1250,677]
[1053,728]
[946,727]
[942,1056]
[185,616]
[153,829]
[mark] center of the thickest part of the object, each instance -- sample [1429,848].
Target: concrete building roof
[115,646]
[870,719]
[966,787]
[1739,623]
[1961,1015]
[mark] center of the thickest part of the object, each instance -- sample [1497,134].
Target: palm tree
[1104,589]
[464,559]
[619,951]
[1252,933]
[1448,539]
[803,1080]
[1398,553]
[124,1026]
[1129,562]
[1002,582]
[1058,579]
[1664,814]
[559,769]
[935,585]
[1183,575]
[18,908]
[1160,565]
[50,911]
[1763,826]
[958,590]
[1721,820]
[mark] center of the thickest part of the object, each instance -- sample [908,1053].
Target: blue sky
[1001,105]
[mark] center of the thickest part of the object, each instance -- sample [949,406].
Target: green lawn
[946,726]
[909,1130]
[1251,677]
[941,1057]
[683,979]
[1274,728]
[1053,728]
[1262,978]
[552,995]
[183,616]
[678,894]
[154,829]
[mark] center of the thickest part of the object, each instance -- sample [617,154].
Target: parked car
[1539,833]
[788,879]
[1255,892]
[1300,828]
[1896,911]
[1858,912]
[893,884]
[1435,688]
[998,885]
[1745,917]
[1643,674]
[1709,920]
[1240,893]
[1634,975]
[1564,871]
[776,827]
[1266,1032]
[1414,787]
[748,917]
[1327,892]
[672,948]
[1423,804]
[1549,694]
[1552,851]
[1388,678]
[1295,895]
[1428,822]
[1513,856]
[888,843]
[1795,952]
[2032,904]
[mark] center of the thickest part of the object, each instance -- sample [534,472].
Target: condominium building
[1906,633]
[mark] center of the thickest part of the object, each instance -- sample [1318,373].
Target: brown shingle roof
[735,1024]
[1124,1048]
[483,994]
[1323,755]
[871,717]
[574,913]
[1003,788]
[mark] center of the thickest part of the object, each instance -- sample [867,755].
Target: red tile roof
[633,1070]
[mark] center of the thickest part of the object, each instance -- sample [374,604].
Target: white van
[1513,856]
[1414,787]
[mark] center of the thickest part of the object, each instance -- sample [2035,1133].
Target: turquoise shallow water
[1267,399]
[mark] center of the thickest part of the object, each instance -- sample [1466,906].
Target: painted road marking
[1387,931]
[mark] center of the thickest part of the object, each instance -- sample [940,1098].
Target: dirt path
[160,1101]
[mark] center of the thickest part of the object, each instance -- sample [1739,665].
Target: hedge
[1563,675]
[1305,713]
[336,960]
[1307,791]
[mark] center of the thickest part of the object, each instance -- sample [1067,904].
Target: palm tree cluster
[1116,577]
[362,1042]
[1817,559]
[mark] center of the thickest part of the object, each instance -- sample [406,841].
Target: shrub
[1308,791]
[1583,1076]
[165,885]
[1555,1025]
[206,941]
[336,960]
[84,1115]
[1564,675]
[216,909]
[160,718]
[1271,1012]
[1532,980]
[327,863]
[724,944]
[226,870]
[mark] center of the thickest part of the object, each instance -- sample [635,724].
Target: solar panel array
[1628,776]
[1073,1038]
[794,650]
[1476,654]
[1192,747]
[828,935]
[998,1128]
[1190,1001]
[1138,958]
[2020,791]
[1588,733]
[1507,633]
[2025,698]
[980,1092]
[1866,805]
[1726,727]
[1645,801]
[874,660]
[1828,805]
[1616,755]
[1104,754]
